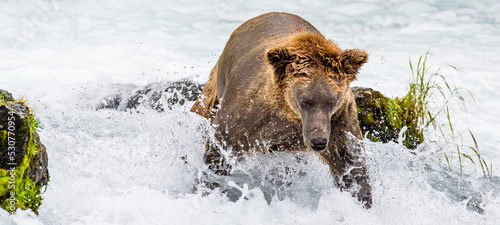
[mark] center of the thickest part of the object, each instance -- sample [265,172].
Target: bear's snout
[319,144]
[316,129]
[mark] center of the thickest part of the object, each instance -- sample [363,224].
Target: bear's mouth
[318,148]
[319,144]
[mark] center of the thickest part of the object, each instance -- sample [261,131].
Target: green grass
[428,99]
[415,105]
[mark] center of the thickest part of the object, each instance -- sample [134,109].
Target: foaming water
[141,166]
[144,167]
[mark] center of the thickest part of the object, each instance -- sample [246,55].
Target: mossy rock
[23,158]
[381,118]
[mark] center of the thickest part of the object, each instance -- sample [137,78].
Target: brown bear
[280,85]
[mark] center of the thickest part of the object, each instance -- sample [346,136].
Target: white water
[115,167]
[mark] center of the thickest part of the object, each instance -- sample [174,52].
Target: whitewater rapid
[125,167]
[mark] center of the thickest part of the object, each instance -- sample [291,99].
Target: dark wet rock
[372,109]
[20,151]
[13,113]
[6,96]
[381,118]
[38,167]
[158,96]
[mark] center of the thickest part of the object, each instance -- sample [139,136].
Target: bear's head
[312,77]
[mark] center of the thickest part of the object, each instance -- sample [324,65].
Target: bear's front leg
[216,161]
[345,155]
[350,173]
[355,177]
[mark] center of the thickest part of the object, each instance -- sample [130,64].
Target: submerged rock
[158,96]
[23,158]
[455,186]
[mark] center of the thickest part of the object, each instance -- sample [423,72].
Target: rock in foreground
[23,158]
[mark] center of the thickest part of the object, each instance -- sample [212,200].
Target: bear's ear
[279,57]
[351,60]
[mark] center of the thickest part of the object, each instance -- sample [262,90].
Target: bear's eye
[305,104]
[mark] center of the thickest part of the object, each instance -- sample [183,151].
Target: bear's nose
[319,144]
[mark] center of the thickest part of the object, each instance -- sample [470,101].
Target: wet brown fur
[247,95]
[207,103]
[311,48]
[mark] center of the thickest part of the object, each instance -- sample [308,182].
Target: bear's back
[249,42]
[267,28]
